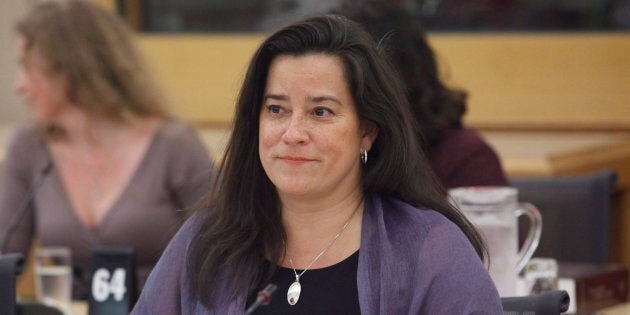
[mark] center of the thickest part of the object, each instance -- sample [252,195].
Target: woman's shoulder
[26,153]
[192,226]
[407,225]
[455,148]
[168,284]
[444,270]
[464,139]
[175,130]
[179,245]
[26,142]
[27,135]
[397,212]
[176,137]
[434,254]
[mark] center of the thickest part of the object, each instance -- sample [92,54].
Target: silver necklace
[293,294]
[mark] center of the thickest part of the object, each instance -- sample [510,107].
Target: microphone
[23,208]
[263,298]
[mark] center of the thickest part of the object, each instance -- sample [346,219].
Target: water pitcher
[494,211]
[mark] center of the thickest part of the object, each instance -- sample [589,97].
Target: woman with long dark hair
[324,192]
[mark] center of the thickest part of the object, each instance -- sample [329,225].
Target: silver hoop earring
[364,156]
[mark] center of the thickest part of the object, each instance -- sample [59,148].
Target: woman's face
[310,134]
[43,91]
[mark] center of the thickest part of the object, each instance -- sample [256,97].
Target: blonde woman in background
[114,166]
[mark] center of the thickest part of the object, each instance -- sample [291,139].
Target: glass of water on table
[53,277]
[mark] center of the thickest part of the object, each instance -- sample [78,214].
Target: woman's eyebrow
[276,97]
[320,99]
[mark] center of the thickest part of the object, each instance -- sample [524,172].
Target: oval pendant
[293,294]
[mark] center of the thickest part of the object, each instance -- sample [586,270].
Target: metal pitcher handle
[533,236]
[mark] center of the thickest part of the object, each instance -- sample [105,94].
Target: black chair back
[10,266]
[575,212]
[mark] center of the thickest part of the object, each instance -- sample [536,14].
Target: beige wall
[11,110]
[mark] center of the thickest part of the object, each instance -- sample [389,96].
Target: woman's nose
[296,131]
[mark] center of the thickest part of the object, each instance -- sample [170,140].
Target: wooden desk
[79,308]
[621,309]
[545,154]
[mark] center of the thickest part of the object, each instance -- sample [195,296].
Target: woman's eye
[275,109]
[321,111]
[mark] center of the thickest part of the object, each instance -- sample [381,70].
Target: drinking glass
[541,275]
[53,277]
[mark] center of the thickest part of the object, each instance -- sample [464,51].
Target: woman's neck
[310,227]
[81,130]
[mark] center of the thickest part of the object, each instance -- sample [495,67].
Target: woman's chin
[42,119]
[294,189]
[42,122]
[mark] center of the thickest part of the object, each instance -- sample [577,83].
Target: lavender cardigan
[412,261]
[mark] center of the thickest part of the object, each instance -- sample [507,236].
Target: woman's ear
[369,132]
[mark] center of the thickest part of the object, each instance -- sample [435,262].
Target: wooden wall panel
[200,75]
[577,81]
[517,80]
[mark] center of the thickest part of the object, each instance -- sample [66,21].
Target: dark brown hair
[93,48]
[435,106]
[243,225]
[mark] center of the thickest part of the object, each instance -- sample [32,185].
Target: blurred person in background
[458,154]
[325,193]
[115,168]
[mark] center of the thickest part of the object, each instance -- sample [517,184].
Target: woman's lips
[295,160]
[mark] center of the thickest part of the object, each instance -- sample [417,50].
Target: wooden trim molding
[556,126]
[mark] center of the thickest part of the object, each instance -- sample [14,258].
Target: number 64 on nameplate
[112,287]
[105,284]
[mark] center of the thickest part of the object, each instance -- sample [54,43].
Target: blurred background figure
[114,166]
[458,155]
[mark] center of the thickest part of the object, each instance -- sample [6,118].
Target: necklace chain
[297,276]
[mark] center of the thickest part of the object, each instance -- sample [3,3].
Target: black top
[329,290]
